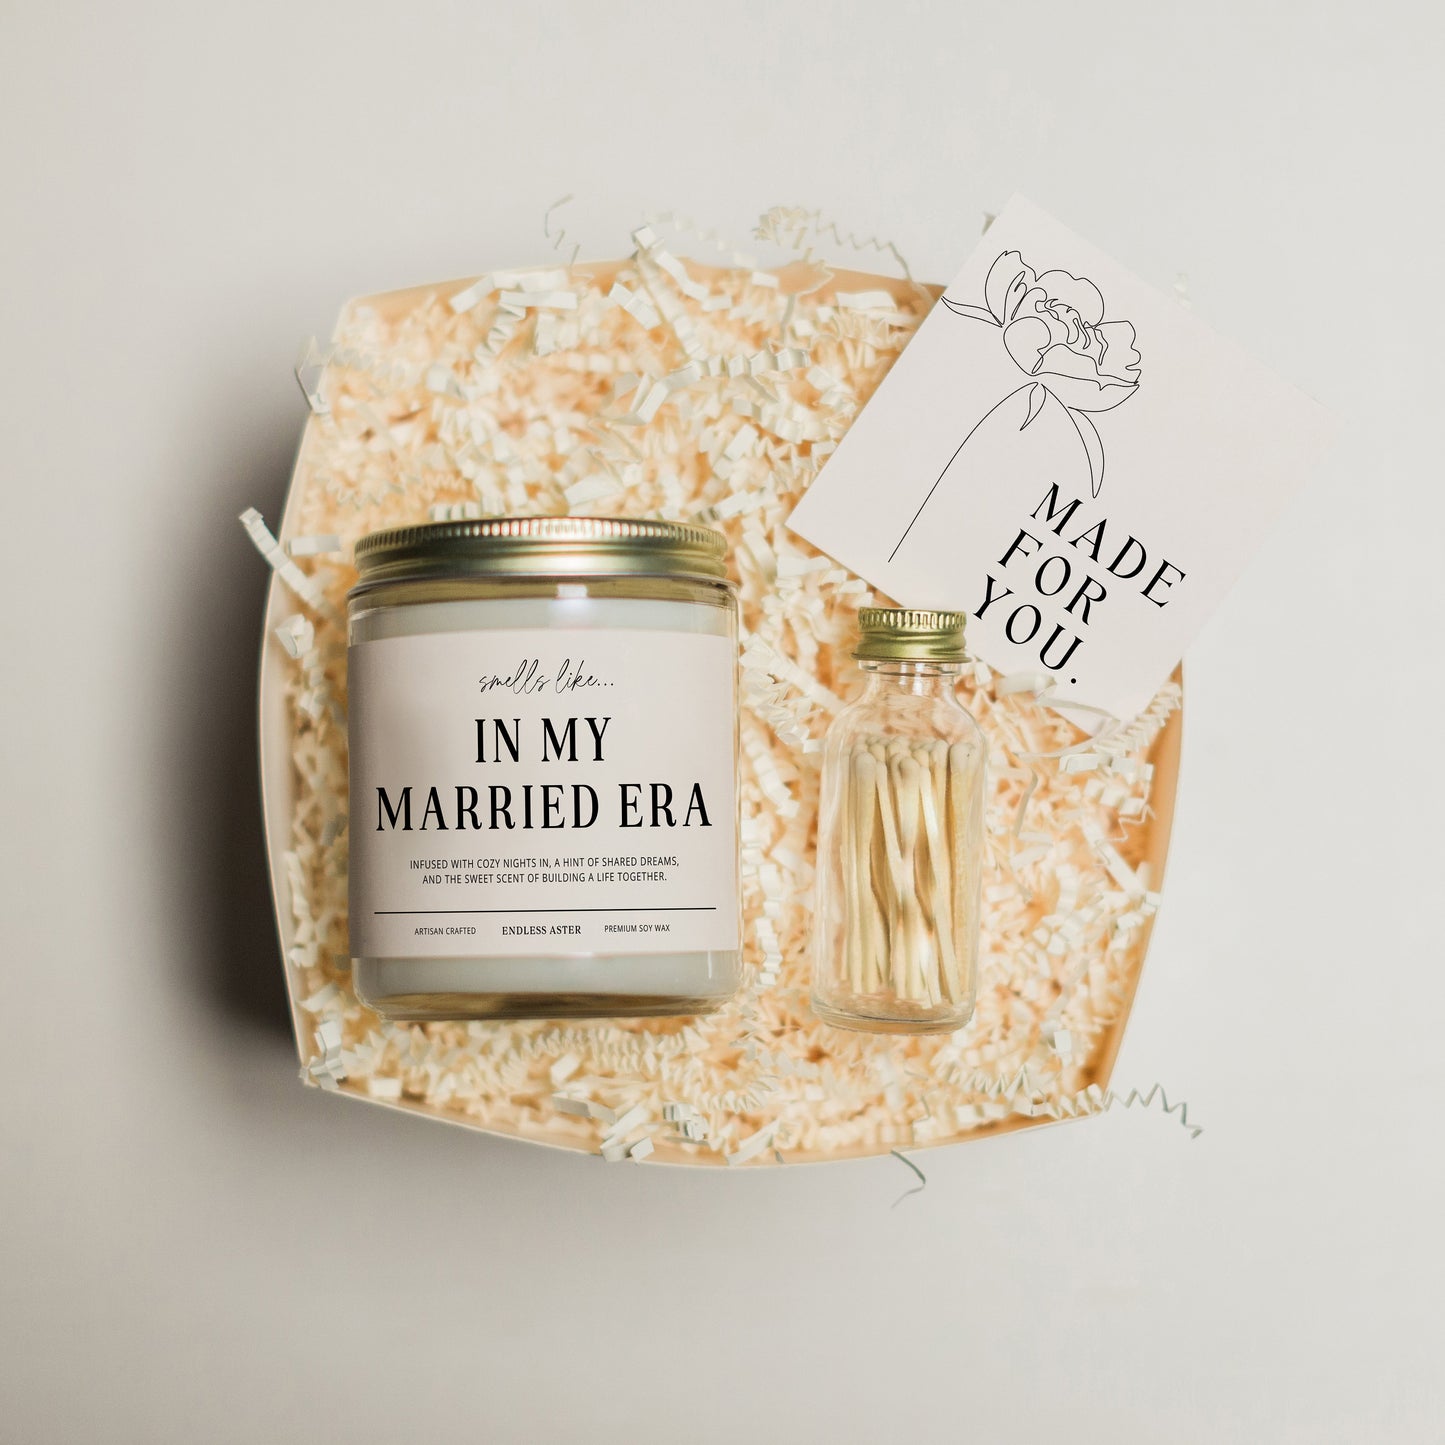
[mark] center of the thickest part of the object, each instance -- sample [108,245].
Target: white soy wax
[543,814]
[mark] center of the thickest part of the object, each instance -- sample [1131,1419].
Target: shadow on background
[238,966]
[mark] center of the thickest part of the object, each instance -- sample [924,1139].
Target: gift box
[659,386]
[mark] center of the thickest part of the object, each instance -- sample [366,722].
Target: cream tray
[660,387]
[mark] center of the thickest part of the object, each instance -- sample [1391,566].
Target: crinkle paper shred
[711,393]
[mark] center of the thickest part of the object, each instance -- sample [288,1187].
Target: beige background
[194,1247]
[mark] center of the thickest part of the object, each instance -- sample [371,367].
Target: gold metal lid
[906,634]
[542,547]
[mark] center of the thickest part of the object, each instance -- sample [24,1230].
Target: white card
[1071,458]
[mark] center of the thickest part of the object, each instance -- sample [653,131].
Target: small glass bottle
[900,835]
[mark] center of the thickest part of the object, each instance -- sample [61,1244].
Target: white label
[535,792]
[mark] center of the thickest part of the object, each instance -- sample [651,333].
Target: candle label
[542,792]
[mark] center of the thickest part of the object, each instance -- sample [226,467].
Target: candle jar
[900,835]
[543,734]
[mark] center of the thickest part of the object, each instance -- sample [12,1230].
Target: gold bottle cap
[907,634]
[542,546]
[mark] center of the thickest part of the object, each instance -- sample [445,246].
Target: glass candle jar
[543,735]
[900,835]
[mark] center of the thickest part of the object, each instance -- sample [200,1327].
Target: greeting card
[1070,457]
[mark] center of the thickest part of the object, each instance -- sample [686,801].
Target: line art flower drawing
[1053,328]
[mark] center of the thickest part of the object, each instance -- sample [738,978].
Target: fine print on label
[529,792]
